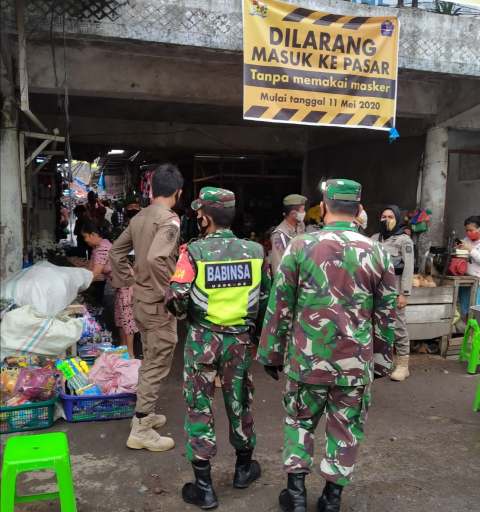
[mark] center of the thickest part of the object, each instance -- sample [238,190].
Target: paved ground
[422,452]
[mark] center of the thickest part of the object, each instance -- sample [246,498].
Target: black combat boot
[200,493]
[294,497]
[330,499]
[246,469]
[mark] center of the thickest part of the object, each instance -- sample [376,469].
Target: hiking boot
[401,369]
[246,469]
[158,420]
[201,492]
[142,436]
[294,497]
[330,499]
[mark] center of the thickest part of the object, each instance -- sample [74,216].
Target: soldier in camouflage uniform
[291,226]
[330,322]
[221,285]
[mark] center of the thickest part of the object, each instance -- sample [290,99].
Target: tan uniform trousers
[402,339]
[158,330]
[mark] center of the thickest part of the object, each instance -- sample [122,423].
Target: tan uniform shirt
[281,237]
[153,235]
[400,247]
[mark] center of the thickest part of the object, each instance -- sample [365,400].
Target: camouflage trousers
[208,354]
[346,409]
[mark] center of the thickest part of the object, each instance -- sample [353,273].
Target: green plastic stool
[476,401]
[35,453]
[471,351]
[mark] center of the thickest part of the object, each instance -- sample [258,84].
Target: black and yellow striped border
[300,14]
[264,113]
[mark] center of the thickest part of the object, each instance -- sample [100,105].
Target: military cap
[214,196]
[342,190]
[294,200]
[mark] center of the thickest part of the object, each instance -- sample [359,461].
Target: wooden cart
[430,312]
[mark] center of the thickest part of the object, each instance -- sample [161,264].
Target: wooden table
[430,312]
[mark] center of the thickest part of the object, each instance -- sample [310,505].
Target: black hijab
[399,227]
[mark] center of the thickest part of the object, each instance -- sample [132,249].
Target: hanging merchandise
[420,220]
[101,184]
[146,185]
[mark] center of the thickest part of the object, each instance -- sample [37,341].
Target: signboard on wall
[315,68]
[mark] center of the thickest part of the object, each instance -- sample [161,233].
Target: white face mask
[300,216]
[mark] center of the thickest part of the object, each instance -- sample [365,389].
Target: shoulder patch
[409,248]
[184,272]
[171,233]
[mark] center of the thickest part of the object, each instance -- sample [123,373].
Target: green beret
[294,200]
[342,190]
[214,196]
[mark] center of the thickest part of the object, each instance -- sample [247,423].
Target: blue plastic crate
[98,407]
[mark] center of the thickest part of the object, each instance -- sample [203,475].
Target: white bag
[49,289]
[24,330]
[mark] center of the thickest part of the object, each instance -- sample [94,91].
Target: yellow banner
[309,67]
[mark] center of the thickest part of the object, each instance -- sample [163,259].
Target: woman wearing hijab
[400,247]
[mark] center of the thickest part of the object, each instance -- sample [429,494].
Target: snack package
[8,381]
[36,384]
[29,361]
[108,348]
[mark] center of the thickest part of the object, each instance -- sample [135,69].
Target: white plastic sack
[49,289]
[24,330]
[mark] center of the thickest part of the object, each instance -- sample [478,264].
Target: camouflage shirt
[187,297]
[331,311]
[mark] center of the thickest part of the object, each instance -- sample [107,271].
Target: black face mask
[201,228]
[383,228]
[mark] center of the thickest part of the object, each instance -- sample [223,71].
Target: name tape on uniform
[223,275]
[310,67]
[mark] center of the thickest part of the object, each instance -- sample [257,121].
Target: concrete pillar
[11,231]
[434,181]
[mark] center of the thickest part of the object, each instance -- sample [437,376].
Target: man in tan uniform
[291,226]
[153,235]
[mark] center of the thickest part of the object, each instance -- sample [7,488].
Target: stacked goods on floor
[42,377]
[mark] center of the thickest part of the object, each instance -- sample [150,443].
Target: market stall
[58,359]
[431,311]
